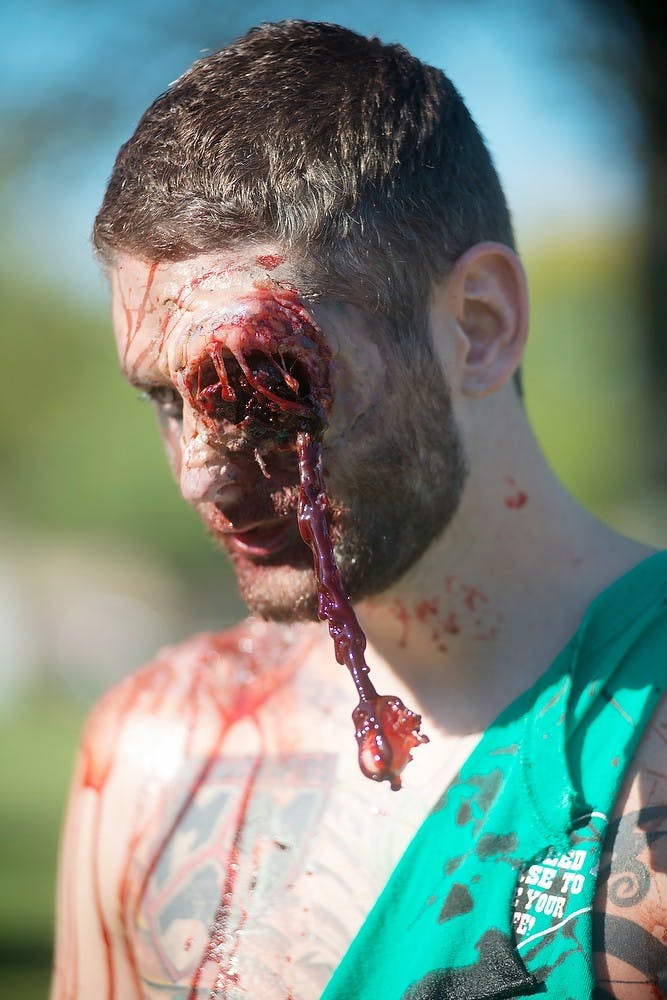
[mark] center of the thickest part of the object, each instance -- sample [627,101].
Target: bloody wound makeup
[266,371]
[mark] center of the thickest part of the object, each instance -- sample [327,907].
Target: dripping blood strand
[267,373]
[386,730]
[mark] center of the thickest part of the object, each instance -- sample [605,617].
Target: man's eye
[167,401]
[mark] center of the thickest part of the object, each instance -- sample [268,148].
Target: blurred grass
[37,744]
[27,985]
[584,373]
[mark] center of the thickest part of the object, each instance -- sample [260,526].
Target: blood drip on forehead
[266,371]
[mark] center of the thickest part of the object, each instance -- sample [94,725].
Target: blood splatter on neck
[266,372]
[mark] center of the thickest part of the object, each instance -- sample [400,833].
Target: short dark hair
[350,153]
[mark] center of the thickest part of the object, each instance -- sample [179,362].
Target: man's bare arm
[90,959]
[630,918]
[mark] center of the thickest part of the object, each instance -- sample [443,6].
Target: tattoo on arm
[627,941]
[628,879]
[635,852]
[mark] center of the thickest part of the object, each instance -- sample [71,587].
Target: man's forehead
[185,284]
[188,281]
[180,279]
[164,311]
[163,302]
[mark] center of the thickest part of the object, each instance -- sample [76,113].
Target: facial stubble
[394,486]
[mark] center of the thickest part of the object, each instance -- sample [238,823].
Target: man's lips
[263,539]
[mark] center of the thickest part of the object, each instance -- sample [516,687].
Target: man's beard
[394,486]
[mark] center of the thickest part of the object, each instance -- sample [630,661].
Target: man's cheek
[171,433]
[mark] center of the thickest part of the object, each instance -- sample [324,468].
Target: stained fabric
[493,897]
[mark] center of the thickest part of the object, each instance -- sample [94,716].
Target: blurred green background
[100,561]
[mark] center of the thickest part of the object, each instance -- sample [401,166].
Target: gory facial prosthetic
[255,377]
[267,374]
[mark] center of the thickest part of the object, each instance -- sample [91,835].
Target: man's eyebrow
[145,384]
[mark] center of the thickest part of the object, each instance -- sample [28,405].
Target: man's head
[356,157]
[348,175]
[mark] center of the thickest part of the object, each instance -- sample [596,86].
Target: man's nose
[206,475]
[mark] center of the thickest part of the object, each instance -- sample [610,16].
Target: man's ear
[488,298]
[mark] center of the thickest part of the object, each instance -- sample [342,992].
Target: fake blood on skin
[250,371]
[219,929]
[517,498]
[386,731]
[269,261]
[267,373]
[264,663]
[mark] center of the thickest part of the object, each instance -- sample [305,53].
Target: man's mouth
[262,540]
[258,519]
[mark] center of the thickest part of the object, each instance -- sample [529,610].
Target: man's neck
[495,598]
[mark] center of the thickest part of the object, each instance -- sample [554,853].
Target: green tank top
[493,897]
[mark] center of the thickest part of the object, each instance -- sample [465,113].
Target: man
[308,247]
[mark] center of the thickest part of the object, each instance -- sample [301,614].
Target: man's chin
[281,593]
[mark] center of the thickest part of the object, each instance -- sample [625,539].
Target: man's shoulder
[201,685]
[251,654]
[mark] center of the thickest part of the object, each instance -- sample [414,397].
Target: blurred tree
[86,87]
[634,48]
